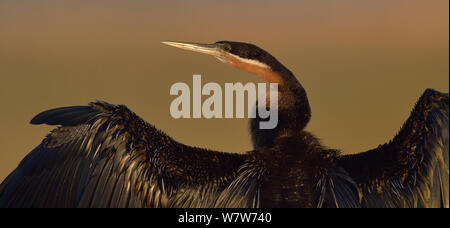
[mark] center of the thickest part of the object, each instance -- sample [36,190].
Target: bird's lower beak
[209,49]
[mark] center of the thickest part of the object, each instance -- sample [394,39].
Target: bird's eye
[227,47]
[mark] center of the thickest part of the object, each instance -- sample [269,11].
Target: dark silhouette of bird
[104,155]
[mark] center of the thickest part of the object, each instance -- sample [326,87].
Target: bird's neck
[294,111]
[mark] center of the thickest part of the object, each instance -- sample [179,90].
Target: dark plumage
[412,169]
[104,155]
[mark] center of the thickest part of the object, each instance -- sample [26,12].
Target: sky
[363,63]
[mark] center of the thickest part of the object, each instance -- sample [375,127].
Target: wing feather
[412,170]
[103,155]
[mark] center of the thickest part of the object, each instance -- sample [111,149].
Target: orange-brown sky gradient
[363,63]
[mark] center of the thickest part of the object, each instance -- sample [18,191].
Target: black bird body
[104,155]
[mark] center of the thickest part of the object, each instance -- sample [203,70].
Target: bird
[104,155]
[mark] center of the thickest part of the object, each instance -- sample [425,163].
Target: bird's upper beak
[209,49]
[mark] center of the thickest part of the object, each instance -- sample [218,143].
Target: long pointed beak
[209,49]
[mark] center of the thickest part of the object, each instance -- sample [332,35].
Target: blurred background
[363,63]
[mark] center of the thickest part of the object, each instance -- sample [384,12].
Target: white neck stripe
[250,61]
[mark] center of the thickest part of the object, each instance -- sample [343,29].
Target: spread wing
[104,155]
[412,170]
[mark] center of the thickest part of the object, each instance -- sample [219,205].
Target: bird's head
[244,56]
[293,106]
